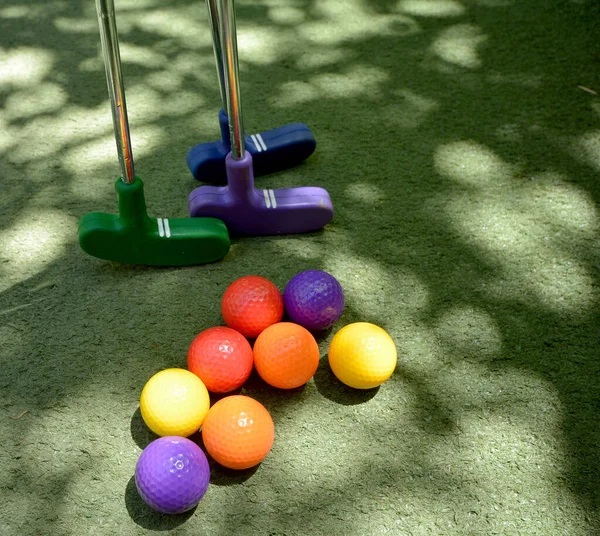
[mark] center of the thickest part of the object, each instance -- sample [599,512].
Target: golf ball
[238,432]
[251,304]
[362,355]
[172,475]
[314,299]
[286,355]
[174,402]
[222,358]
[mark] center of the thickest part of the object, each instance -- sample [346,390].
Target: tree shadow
[387,106]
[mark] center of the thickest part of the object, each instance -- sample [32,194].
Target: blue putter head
[273,150]
[250,211]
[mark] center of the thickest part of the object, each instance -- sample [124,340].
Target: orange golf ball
[286,355]
[238,432]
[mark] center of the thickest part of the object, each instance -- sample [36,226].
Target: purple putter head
[244,209]
[172,475]
[250,211]
[314,299]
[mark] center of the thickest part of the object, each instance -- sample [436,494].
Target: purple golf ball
[172,474]
[314,299]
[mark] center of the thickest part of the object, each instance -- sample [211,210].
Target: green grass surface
[460,143]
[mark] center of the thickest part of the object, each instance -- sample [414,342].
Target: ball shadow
[322,335]
[219,475]
[146,517]
[333,389]
[271,397]
[140,433]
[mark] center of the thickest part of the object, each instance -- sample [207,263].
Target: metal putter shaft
[272,150]
[244,209]
[131,236]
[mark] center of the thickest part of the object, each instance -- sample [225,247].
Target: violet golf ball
[314,299]
[172,475]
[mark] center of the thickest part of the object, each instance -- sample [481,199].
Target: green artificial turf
[460,143]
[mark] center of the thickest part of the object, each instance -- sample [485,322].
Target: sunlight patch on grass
[137,55]
[507,454]
[259,45]
[294,93]
[351,21]
[362,80]
[431,8]
[532,229]
[587,148]
[32,10]
[146,104]
[49,134]
[37,238]
[510,462]
[533,257]
[570,210]
[301,249]
[24,66]
[365,193]
[90,157]
[188,26]
[43,98]
[321,58]
[8,135]
[92,65]
[166,81]
[286,15]
[136,5]
[471,164]
[15,12]
[368,287]
[458,45]
[76,25]
[409,109]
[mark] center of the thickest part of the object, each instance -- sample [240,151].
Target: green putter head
[134,238]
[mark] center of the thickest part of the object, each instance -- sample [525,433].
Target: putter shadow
[146,517]
[333,389]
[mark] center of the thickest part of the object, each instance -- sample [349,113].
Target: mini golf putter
[131,236]
[272,150]
[244,209]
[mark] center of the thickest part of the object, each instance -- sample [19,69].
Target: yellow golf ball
[174,402]
[362,355]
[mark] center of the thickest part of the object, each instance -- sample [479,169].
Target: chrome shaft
[213,14]
[228,40]
[116,90]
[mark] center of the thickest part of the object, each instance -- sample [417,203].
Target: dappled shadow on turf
[396,212]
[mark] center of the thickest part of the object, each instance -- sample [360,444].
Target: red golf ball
[222,358]
[251,304]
